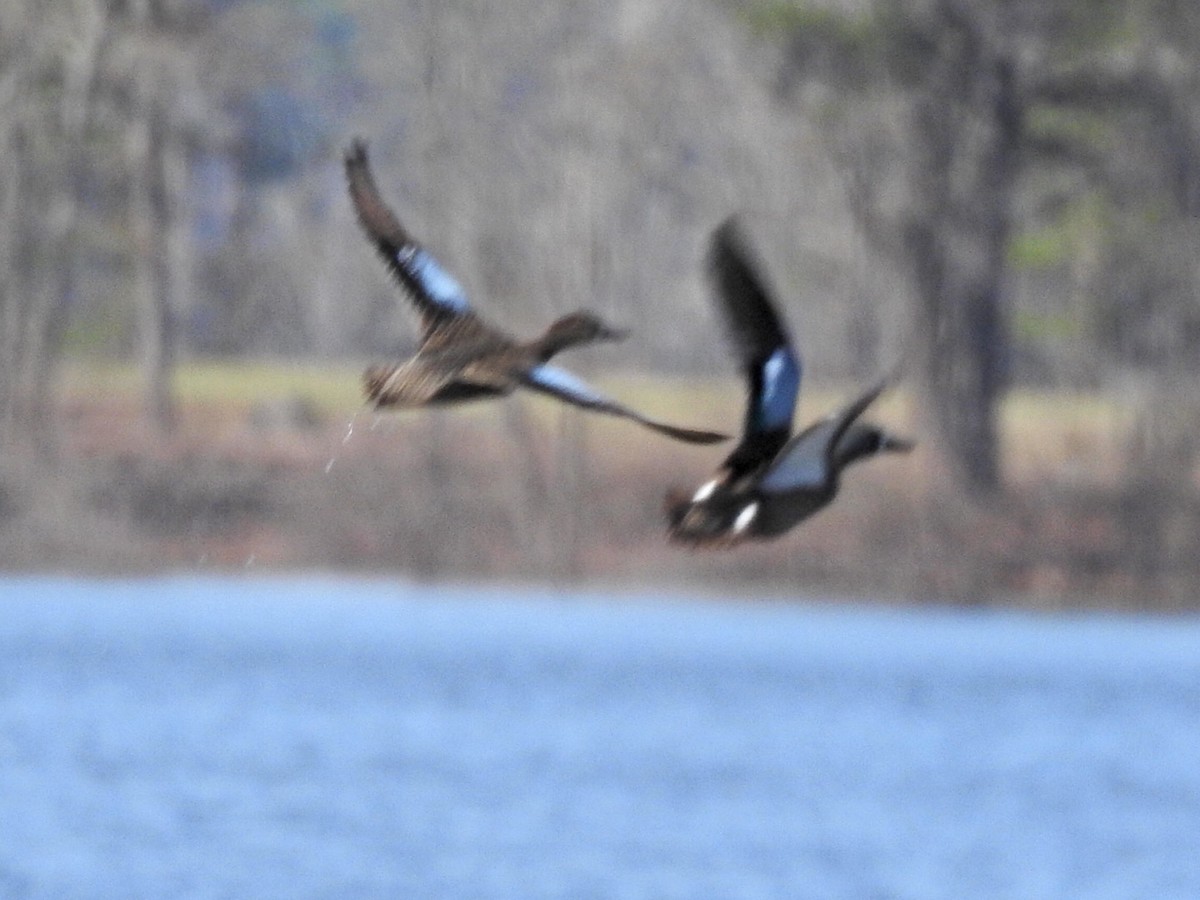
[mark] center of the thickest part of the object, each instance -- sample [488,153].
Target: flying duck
[771,481]
[460,356]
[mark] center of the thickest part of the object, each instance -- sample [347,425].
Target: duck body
[771,481]
[801,480]
[417,382]
[460,356]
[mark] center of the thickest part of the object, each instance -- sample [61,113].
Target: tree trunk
[13,280]
[967,138]
[150,224]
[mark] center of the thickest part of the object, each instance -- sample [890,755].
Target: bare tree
[938,111]
[79,83]
[152,70]
[50,59]
[923,118]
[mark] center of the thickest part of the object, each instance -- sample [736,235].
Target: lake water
[326,738]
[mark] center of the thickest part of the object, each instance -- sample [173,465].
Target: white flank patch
[745,517]
[704,491]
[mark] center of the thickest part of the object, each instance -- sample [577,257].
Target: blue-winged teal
[460,356]
[771,481]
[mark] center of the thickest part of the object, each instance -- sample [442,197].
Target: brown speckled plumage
[460,356]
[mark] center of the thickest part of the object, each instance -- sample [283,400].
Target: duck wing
[439,298]
[807,462]
[762,346]
[562,384]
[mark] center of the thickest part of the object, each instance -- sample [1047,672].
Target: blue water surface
[302,738]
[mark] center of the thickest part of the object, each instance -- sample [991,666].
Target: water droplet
[345,440]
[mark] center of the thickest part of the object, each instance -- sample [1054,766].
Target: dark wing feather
[807,461]
[566,387]
[438,297]
[762,346]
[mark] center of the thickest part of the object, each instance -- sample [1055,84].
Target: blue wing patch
[434,281]
[780,385]
[561,382]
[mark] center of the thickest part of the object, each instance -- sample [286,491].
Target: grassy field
[1045,432]
[335,386]
[237,383]
[579,496]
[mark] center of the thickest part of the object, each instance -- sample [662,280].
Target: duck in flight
[460,356]
[771,481]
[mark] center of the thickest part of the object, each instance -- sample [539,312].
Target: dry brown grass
[260,474]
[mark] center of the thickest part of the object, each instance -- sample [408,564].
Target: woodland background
[997,199]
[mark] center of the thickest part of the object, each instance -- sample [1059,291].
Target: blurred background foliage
[990,195]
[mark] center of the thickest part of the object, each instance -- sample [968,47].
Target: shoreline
[509,494]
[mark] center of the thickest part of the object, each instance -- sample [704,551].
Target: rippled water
[325,738]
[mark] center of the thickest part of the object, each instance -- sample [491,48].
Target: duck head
[577,328]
